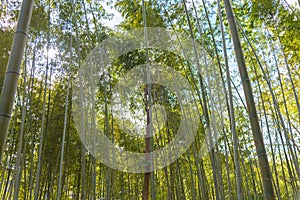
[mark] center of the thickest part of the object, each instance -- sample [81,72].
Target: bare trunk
[257,134]
[13,70]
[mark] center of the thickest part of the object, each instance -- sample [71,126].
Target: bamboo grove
[245,82]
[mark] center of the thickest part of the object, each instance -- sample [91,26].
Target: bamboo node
[5,115]
[12,72]
[20,31]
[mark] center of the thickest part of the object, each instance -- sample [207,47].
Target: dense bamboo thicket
[230,80]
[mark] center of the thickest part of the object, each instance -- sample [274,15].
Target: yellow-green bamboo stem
[13,70]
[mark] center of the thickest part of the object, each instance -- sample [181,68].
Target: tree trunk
[257,134]
[13,70]
[238,176]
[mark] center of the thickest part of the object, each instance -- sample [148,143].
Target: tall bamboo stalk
[45,114]
[257,134]
[64,131]
[17,175]
[238,176]
[13,70]
[277,108]
[212,153]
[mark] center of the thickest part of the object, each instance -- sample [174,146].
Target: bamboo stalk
[257,134]
[13,70]
[239,181]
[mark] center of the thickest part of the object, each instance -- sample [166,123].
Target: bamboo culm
[257,134]
[13,70]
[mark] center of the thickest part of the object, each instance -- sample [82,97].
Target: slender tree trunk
[277,108]
[268,132]
[212,152]
[238,176]
[10,161]
[18,173]
[192,182]
[290,75]
[64,135]
[44,117]
[13,70]
[182,194]
[282,168]
[257,134]
[145,192]
[147,97]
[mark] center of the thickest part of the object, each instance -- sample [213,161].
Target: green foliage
[132,11]
[73,29]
